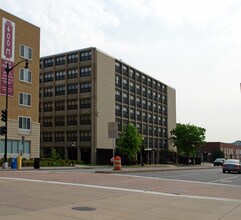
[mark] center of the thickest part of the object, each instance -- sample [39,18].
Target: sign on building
[7,55]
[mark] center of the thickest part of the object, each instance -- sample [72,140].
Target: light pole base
[5,165]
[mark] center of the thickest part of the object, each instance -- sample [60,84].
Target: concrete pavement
[56,194]
[35,199]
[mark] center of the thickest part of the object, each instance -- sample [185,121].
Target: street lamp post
[8,69]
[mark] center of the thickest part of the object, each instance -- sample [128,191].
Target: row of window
[70,136]
[141,116]
[61,74]
[71,120]
[14,146]
[137,88]
[71,105]
[71,89]
[144,129]
[137,76]
[61,60]
[133,99]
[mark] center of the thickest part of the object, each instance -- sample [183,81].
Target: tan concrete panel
[105,110]
[171,113]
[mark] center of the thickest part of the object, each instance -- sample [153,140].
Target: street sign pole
[113,133]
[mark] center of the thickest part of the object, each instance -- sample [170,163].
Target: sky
[193,46]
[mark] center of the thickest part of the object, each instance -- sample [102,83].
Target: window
[40,64]
[48,92]
[125,98]
[59,106]
[85,136]
[48,62]
[48,122]
[48,107]
[60,90]
[118,81]
[132,73]
[60,60]
[60,75]
[118,110]
[40,77]
[149,80]
[85,87]
[47,136]
[25,75]
[24,99]
[72,104]
[138,76]
[48,77]
[118,95]
[73,73]
[85,120]
[59,136]
[72,120]
[72,88]
[125,84]
[86,71]
[24,123]
[72,58]
[117,67]
[125,112]
[85,103]
[85,55]
[72,136]
[59,121]
[25,52]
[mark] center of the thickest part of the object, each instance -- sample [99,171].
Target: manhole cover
[84,209]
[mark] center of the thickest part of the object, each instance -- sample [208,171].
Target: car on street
[232,165]
[218,162]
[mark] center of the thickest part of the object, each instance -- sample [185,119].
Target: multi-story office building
[20,40]
[81,91]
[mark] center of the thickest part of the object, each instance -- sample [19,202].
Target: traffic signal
[3,130]
[4,115]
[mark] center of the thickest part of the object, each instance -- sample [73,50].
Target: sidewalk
[124,169]
[82,195]
[152,168]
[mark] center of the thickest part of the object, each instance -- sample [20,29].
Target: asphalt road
[199,175]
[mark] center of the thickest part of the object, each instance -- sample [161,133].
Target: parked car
[218,162]
[232,165]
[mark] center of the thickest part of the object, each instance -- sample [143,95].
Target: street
[77,194]
[200,175]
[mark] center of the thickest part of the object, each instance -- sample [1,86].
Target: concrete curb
[147,169]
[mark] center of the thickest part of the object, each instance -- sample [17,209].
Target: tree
[218,154]
[129,142]
[54,154]
[188,138]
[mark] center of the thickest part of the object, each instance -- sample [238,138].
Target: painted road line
[227,180]
[175,180]
[123,189]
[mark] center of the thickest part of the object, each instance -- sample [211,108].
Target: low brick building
[230,150]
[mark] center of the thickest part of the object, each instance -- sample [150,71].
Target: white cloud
[193,46]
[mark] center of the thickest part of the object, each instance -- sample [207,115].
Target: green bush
[45,162]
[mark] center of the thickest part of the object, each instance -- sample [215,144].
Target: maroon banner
[8,40]
[3,81]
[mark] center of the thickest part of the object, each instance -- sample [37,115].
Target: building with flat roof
[20,40]
[231,151]
[82,91]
